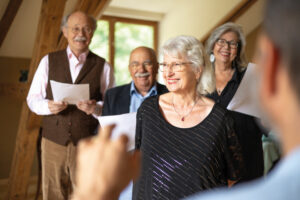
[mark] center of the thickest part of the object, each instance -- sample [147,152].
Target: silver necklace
[182,118]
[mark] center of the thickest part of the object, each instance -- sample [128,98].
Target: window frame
[111,33]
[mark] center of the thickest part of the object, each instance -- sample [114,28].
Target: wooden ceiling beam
[8,17]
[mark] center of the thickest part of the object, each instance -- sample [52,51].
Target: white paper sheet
[245,99]
[70,93]
[125,124]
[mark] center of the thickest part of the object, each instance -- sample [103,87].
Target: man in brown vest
[64,125]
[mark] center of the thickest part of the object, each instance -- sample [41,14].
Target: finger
[84,143]
[58,103]
[136,164]
[106,131]
[92,102]
[123,141]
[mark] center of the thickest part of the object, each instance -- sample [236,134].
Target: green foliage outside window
[127,37]
[99,44]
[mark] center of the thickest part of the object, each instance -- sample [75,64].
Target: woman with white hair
[187,142]
[226,48]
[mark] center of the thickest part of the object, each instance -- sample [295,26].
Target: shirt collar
[237,76]
[151,92]
[80,59]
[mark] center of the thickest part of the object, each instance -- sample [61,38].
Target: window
[115,37]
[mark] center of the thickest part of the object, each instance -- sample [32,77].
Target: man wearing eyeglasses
[64,125]
[143,68]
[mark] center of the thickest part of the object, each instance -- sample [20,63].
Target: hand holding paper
[70,93]
[88,106]
[125,124]
[56,107]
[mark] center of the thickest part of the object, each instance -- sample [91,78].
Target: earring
[212,58]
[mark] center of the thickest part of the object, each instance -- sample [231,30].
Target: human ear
[65,31]
[271,64]
[198,72]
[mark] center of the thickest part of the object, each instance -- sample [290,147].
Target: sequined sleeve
[233,152]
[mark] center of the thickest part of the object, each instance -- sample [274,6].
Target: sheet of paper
[70,93]
[125,124]
[245,99]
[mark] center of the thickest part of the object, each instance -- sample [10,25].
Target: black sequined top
[178,162]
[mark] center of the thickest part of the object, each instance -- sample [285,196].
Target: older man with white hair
[64,125]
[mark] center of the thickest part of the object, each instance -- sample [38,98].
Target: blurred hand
[56,107]
[89,107]
[104,167]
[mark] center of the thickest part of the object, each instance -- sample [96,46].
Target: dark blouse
[247,129]
[177,162]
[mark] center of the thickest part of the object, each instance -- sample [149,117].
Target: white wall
[193,17]
[252,18]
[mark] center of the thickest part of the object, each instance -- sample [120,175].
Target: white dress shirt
[36,98]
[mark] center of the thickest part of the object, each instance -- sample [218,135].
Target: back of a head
[282,25]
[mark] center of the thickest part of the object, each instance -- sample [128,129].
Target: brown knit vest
[72,124]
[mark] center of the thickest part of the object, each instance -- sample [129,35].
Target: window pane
[99,44]
[127,37]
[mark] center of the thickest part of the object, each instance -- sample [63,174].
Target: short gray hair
[64,21]
[192,49]
[240,59]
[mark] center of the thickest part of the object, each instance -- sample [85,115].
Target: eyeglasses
[231,44]
[77,29]
[146,64]
[175,67]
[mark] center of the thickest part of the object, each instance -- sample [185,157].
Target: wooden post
[46,41]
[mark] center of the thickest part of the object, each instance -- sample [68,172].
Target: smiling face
[182,81]
[78,40]
[143,69]
[226,54]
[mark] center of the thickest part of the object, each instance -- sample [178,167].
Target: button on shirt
[136,99]
[36,98]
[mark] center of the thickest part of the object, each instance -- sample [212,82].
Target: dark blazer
[117,100]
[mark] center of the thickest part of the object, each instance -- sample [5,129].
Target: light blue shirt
[136,99]
[282,183]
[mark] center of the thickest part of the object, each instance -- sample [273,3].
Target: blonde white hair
[192,49]
[241,61]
